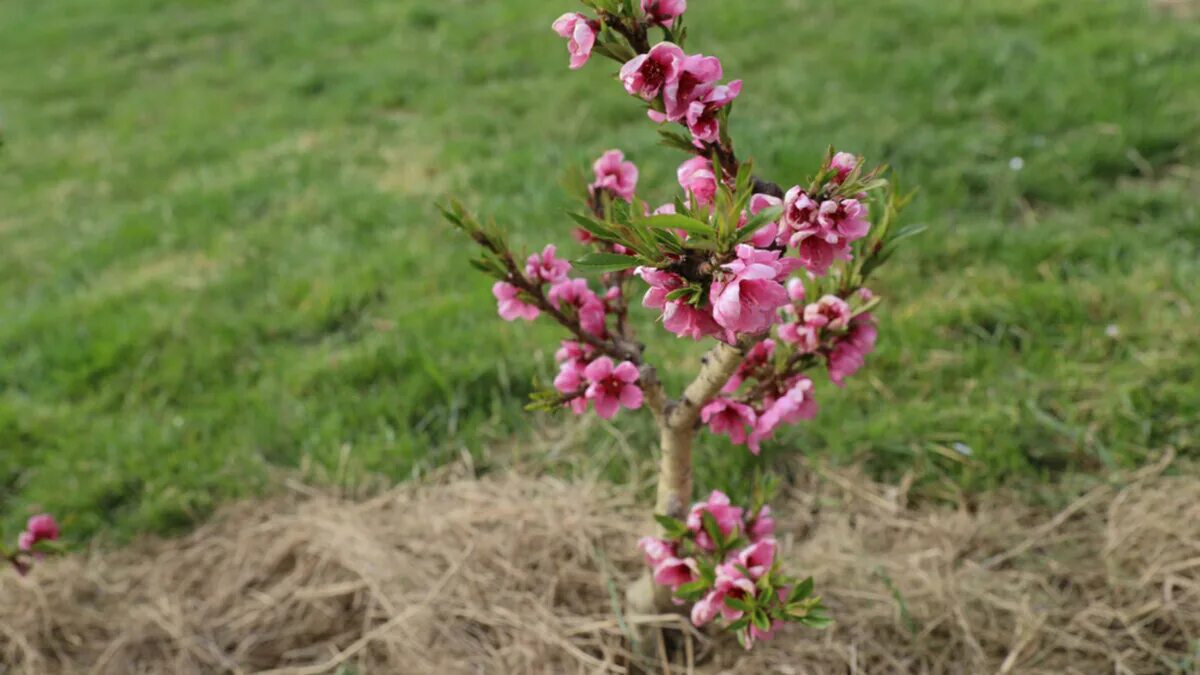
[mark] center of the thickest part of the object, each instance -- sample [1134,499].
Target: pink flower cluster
[584,379]
[744,297]
[39,528]
[681,88]
[821,231]
[829,327]
[737,569]
[751,425]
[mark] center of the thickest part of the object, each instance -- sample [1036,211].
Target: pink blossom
[844,163]
[583,236]
[696,177]
[758,557]
[863,333]
[762,526]
[753,634]
[707,608]
[612,387]
[844,361]
[615,175]
[821,233]
[575,293]
[845,217]
[675,572]
[732,583]
[795,289]
[546,267]
[570,377]
[41,527]
[663,11]
[849,355]
[695,76]
[767,234]
[510,304]
[573,351]
[805,337]
[795,405]
[702,113]
[746,299]
[728,518]
[829,312]
[580,32]
[687,320]
[678,316]
[725,416]
[655,550]
[648,74]
[817,255]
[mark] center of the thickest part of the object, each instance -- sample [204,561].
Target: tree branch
[719,364]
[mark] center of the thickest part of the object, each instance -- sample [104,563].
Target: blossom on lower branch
[612,387]
[40,528]
[724,559]
[510,304]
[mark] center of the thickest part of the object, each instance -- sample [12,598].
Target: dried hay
[512,574]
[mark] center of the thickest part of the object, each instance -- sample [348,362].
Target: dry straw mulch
[512,574]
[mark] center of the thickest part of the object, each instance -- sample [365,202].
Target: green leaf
[758,220]
[679,293]
[674,527]
[817,619]
[761,620]
[673,221]
[693,589]
[713,530]
[801,591]
[606,262]
[740,604]
[675,140]
[594,226]
[907,232]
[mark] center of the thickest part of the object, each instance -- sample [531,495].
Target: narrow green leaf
[801,590]
[907,232]
[606,262]
[674,527]
[740,604]
[594,226]
[761,620]
[713,530]
[673,221]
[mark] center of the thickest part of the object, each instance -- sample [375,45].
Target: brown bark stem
[677,429]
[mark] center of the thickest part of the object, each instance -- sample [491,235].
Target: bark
[677,422]
[678,429]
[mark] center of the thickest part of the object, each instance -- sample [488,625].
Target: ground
[220,256]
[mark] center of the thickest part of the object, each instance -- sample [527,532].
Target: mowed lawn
[220,258]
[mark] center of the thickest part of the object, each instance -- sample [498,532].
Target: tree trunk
[677,422]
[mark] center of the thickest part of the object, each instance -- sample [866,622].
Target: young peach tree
[773,278]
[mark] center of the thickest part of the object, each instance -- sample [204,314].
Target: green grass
[219,253]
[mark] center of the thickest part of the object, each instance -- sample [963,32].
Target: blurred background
[220,259]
